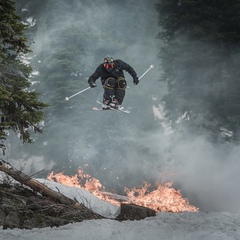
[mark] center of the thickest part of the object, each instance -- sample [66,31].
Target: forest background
[184,117]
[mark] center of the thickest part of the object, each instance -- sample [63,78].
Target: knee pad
[110,82]
[121,83]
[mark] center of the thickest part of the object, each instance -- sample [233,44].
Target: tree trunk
[34,184]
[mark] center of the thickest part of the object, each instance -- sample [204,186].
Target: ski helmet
[108,63]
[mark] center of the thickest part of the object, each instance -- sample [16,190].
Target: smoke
[206,174]
[124,150]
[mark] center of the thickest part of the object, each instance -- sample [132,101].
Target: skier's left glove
[135,81]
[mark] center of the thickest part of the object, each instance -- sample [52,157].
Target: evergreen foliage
[200,63]
[20,109]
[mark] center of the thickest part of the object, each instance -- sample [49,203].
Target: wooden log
[116,197]
[34,184]
[134,212]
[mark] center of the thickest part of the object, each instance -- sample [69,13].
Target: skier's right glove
[91,83]
[135,81]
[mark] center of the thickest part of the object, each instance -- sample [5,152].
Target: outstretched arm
[131,71]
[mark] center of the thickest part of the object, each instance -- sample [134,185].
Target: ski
[121,109]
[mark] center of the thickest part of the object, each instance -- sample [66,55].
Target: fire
[163,198]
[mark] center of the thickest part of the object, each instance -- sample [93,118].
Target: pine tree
[20,109]
[199,59]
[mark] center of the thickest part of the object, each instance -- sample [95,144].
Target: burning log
[163,197]
[35,185]
[116,197]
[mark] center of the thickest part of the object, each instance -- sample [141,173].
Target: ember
[163,198]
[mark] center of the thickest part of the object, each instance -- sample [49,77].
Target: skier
[113,81]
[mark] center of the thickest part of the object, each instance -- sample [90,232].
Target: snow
[165,226]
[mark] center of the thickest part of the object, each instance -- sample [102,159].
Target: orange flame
[163,198]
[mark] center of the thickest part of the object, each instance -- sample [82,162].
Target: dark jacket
[116,72]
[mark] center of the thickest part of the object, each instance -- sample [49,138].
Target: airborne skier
[113,81]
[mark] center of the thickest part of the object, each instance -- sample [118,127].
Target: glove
[92,84]
[135,81]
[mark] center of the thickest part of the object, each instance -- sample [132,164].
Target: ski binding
[121,109]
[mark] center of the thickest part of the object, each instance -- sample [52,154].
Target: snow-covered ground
[165,226]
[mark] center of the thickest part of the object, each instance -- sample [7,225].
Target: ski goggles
[108,65]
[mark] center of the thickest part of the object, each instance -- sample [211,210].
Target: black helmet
[108,63]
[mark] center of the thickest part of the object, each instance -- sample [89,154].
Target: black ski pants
[114,89]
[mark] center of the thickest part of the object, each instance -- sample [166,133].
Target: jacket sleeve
[95,75]
[127,68]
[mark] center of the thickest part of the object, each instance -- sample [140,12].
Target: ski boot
[105,105]
[114,104]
